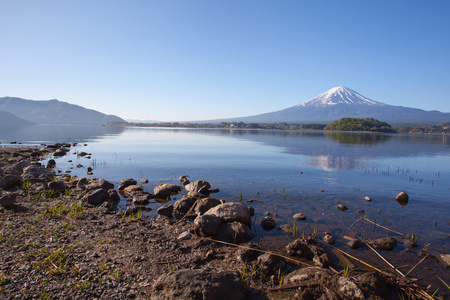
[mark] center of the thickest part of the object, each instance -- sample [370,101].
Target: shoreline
[56,245]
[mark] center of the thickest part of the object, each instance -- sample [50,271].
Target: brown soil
[56,246]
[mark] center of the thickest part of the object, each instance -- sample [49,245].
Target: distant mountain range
[53,112]
[341,102]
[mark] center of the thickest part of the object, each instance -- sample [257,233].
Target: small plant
[117,274]
[314,232]
[294,230]
[240,196]
[244,274]
[425,247]
[448,286]
[26,186]
[280,277]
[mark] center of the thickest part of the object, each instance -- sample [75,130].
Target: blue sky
[194,60]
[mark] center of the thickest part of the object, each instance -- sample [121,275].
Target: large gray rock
[205,204]
[10,181]
[198,186]
[166,190]
[166,211]
[230,212]
[235,232]
[199,284]
[182,206]
[207,225]
[97,197]
[124,183]
[17,169]
[99,184]
[37,173]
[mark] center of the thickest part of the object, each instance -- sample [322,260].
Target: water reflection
[357,138]
[36,134]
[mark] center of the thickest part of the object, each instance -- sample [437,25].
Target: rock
[166,190]
[166,211]
[341,207]
[60,152]
[409,243]
[367,198]
[270,263]
[246,254]
[184,180]
[113,196]
[308,248]
[230,212]
[199,284]
[141,199]
[299,217]
[10,181]
[387,243]
[268,223]
[82,183]
[321,261]
[8,200]
[132,190]
[198,186]
[97,196]
[37,173]
[57,186]
[184,236]
[144,180]
[235,232]
[286,228]
[126,182]
[329,239]
[207,225]
[99,184]
[251,210]
[402,198]
[205,204]
[17,169]
[349,288]
[309,274]
[355,244]
[38,187]
[51,164]
[445,259]
[374,284]
[182,206]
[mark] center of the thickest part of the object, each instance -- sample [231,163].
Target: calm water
[309,172]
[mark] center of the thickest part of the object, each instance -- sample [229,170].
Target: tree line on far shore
[345,124]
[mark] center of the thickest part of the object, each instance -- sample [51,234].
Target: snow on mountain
[339,95]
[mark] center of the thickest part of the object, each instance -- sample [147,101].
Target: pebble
[341,207]
[299,217]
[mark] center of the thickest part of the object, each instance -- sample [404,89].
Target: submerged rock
[268,223]
[387,243]
[166,190]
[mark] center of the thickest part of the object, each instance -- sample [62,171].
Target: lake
[286,171]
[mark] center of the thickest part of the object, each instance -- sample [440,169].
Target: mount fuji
[342,102]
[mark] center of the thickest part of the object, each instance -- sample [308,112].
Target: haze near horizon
[195,60]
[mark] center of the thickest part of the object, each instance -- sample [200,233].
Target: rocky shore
[65,237]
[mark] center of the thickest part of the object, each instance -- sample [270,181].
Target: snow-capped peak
[339,95]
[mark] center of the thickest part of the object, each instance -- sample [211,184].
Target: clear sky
[195,60]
